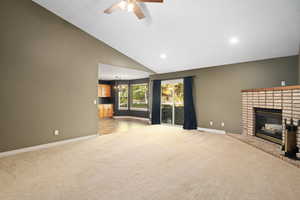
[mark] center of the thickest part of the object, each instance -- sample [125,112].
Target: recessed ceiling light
[234,40]
[163,56]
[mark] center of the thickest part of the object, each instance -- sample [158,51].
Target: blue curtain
[190,121]
[155,119]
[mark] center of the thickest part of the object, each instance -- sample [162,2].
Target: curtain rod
[165,79]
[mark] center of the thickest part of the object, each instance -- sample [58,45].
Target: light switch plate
[211,123]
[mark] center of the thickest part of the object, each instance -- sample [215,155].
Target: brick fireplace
[279,103]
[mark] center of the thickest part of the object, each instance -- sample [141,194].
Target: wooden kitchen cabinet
[104,90]
[105,110]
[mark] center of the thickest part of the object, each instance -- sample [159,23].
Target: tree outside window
[167,94]
[123,97]
[139,96]
[172,103]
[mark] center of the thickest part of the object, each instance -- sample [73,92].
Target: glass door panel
[178,104]
[166,103]
[172,102]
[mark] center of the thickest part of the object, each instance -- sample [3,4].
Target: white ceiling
[109,72]
[192,33]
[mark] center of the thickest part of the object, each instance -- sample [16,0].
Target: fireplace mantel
[286,98]
[292,87]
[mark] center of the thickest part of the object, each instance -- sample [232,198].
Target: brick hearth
[285,98]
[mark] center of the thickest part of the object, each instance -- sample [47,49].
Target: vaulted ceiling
[187,34]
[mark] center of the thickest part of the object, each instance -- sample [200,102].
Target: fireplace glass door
[268,124]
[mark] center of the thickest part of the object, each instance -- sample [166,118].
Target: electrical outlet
[56,132]
[222,124]
[211,123]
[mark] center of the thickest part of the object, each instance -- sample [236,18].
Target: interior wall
[48,76]
[217,90]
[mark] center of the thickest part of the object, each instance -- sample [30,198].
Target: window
[139,96]
[123,97]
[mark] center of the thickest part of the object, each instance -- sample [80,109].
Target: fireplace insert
[268,124]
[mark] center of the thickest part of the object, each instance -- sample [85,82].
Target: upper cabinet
[104,90]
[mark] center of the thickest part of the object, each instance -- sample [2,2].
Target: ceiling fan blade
[151,1]
[138,11]
[148,18]
[115,7]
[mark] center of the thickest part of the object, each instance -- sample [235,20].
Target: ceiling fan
[131,6]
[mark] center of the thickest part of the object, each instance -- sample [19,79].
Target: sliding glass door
[172,102]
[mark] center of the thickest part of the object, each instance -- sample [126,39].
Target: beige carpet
[153,163]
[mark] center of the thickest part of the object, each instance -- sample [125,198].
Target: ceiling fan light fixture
[130,7]
[123,5]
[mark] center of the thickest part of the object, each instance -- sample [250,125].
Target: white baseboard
[211,130]
[45,146]
[131,117]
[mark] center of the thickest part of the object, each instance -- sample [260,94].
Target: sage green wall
[218,89]
[48,76]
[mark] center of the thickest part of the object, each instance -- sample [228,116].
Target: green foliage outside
[123,96]
[139,96]
[167,93]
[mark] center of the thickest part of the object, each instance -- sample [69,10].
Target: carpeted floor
[153,163]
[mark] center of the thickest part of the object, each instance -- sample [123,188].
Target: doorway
[123,99]
[172,103]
